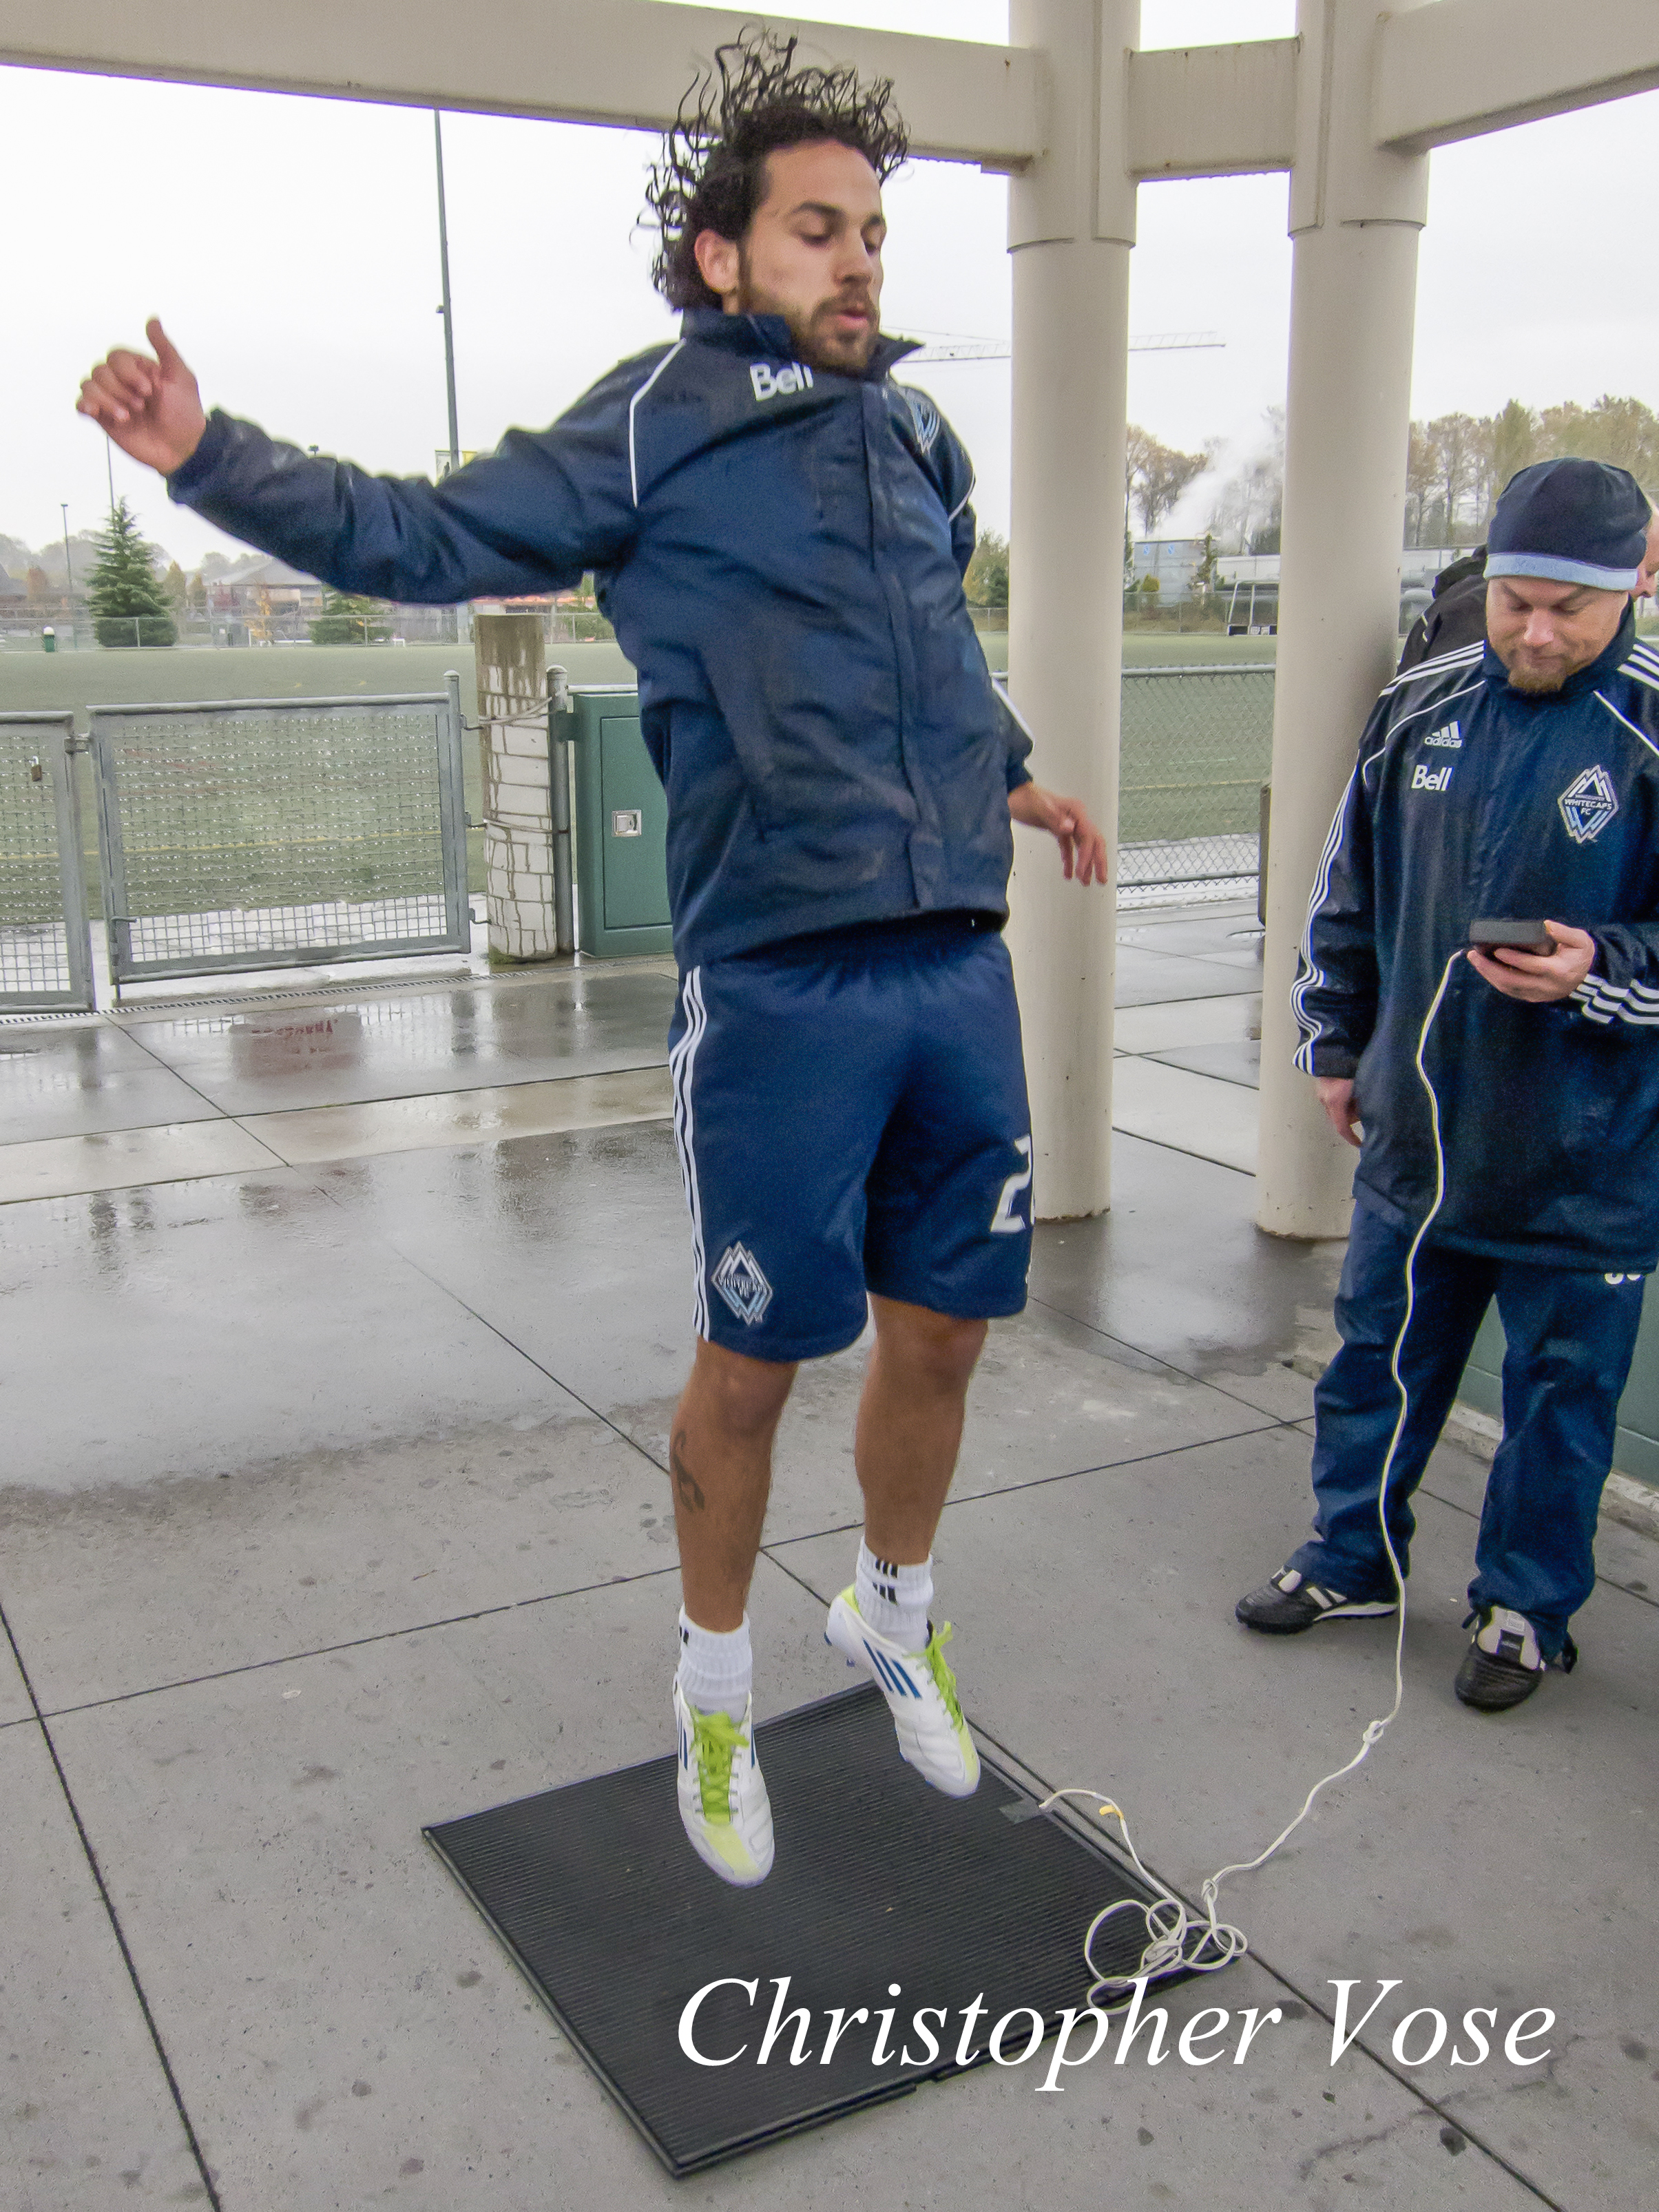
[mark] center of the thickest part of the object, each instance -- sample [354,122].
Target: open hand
[151,408]
[1538,978]
[1082,846]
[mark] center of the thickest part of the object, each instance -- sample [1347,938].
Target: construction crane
[940,347]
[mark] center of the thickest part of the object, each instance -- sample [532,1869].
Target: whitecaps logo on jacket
[1588,804]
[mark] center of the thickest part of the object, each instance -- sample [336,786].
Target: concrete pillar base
[510,652]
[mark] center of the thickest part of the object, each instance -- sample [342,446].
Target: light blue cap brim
[1553,568]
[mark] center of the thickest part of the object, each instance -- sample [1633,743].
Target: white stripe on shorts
[680,1062]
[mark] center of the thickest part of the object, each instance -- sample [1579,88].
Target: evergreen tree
[128,605]
[986,579]
[347,619]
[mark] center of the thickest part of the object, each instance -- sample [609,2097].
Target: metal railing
[1197,745]
[44,952]
[280,833]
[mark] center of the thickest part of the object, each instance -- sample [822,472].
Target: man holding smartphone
[1498,1072]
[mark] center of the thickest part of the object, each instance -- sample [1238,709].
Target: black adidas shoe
[1503,1665]
[1289,1603]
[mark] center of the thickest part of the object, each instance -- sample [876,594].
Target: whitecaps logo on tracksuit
[1588,804]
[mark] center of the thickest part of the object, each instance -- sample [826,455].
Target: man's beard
[816,342]
[1539,682]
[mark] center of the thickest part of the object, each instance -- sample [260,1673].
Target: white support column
[510,655]
[1355,215]
[1071,227]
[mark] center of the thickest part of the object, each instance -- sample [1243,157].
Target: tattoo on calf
[685,1483]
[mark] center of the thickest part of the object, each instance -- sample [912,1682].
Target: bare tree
[1156,475]
[1248,508]
[1422,473]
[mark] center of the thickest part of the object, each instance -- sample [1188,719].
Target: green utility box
[620,824]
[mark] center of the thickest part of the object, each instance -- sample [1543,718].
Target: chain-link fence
[43,908]
[1197,745]
[273,833]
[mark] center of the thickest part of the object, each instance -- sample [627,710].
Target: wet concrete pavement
[334,1501]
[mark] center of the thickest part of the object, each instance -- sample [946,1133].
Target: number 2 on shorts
[1005,1222]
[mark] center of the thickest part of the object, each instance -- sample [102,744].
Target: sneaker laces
[939,1667]
[718,1739]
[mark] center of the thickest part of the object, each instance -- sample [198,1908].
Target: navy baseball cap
[1570,522]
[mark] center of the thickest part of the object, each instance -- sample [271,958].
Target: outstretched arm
[531,517]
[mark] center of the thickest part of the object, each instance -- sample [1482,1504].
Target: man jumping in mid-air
[779,532]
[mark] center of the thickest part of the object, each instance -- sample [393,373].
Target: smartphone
[1512,937]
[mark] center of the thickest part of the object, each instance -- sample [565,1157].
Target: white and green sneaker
[920,1693]
[722,1792]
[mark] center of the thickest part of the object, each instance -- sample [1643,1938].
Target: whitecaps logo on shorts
[739,1281]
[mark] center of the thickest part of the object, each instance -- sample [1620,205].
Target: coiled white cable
[1179,1941]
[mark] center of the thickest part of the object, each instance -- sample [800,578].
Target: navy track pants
[1570,1335]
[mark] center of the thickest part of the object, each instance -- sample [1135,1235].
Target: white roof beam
[1458,69]
[626,63]
[1212,111]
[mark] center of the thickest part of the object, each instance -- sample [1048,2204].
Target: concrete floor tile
[113,1591]
[1482,1860]
[1231,933]
[576,1246]
[1183,1022]
[1230,1060]
[124,1159]
[1145,979]
[464,1117]
[216,1328]
[14,1704]
[1195,1114]
[86,2121]
[1278,1389]
[572,1021]
[388,2049]
[80,1082]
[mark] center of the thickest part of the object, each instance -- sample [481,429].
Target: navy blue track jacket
[780,550]
[1474,801]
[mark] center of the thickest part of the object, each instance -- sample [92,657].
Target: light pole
[444,310]
[461,625]
[69,570]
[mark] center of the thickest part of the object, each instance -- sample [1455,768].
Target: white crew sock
[895,1599]
[716,1672]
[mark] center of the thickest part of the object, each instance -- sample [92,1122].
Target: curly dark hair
[712,174]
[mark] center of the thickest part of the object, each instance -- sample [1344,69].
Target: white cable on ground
[1178,1940]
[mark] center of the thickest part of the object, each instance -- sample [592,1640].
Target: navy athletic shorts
[851,1115]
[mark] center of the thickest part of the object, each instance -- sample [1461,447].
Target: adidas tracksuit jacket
[1470,800]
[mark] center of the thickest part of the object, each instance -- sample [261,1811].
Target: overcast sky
[290,246]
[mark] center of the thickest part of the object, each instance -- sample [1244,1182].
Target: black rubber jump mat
[878,1879]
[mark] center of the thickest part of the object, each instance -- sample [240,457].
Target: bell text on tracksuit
[1472,799]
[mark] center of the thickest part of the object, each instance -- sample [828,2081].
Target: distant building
[1171,562]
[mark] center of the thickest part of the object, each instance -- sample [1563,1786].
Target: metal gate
[43,953]
[277,833]
[1197,746]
